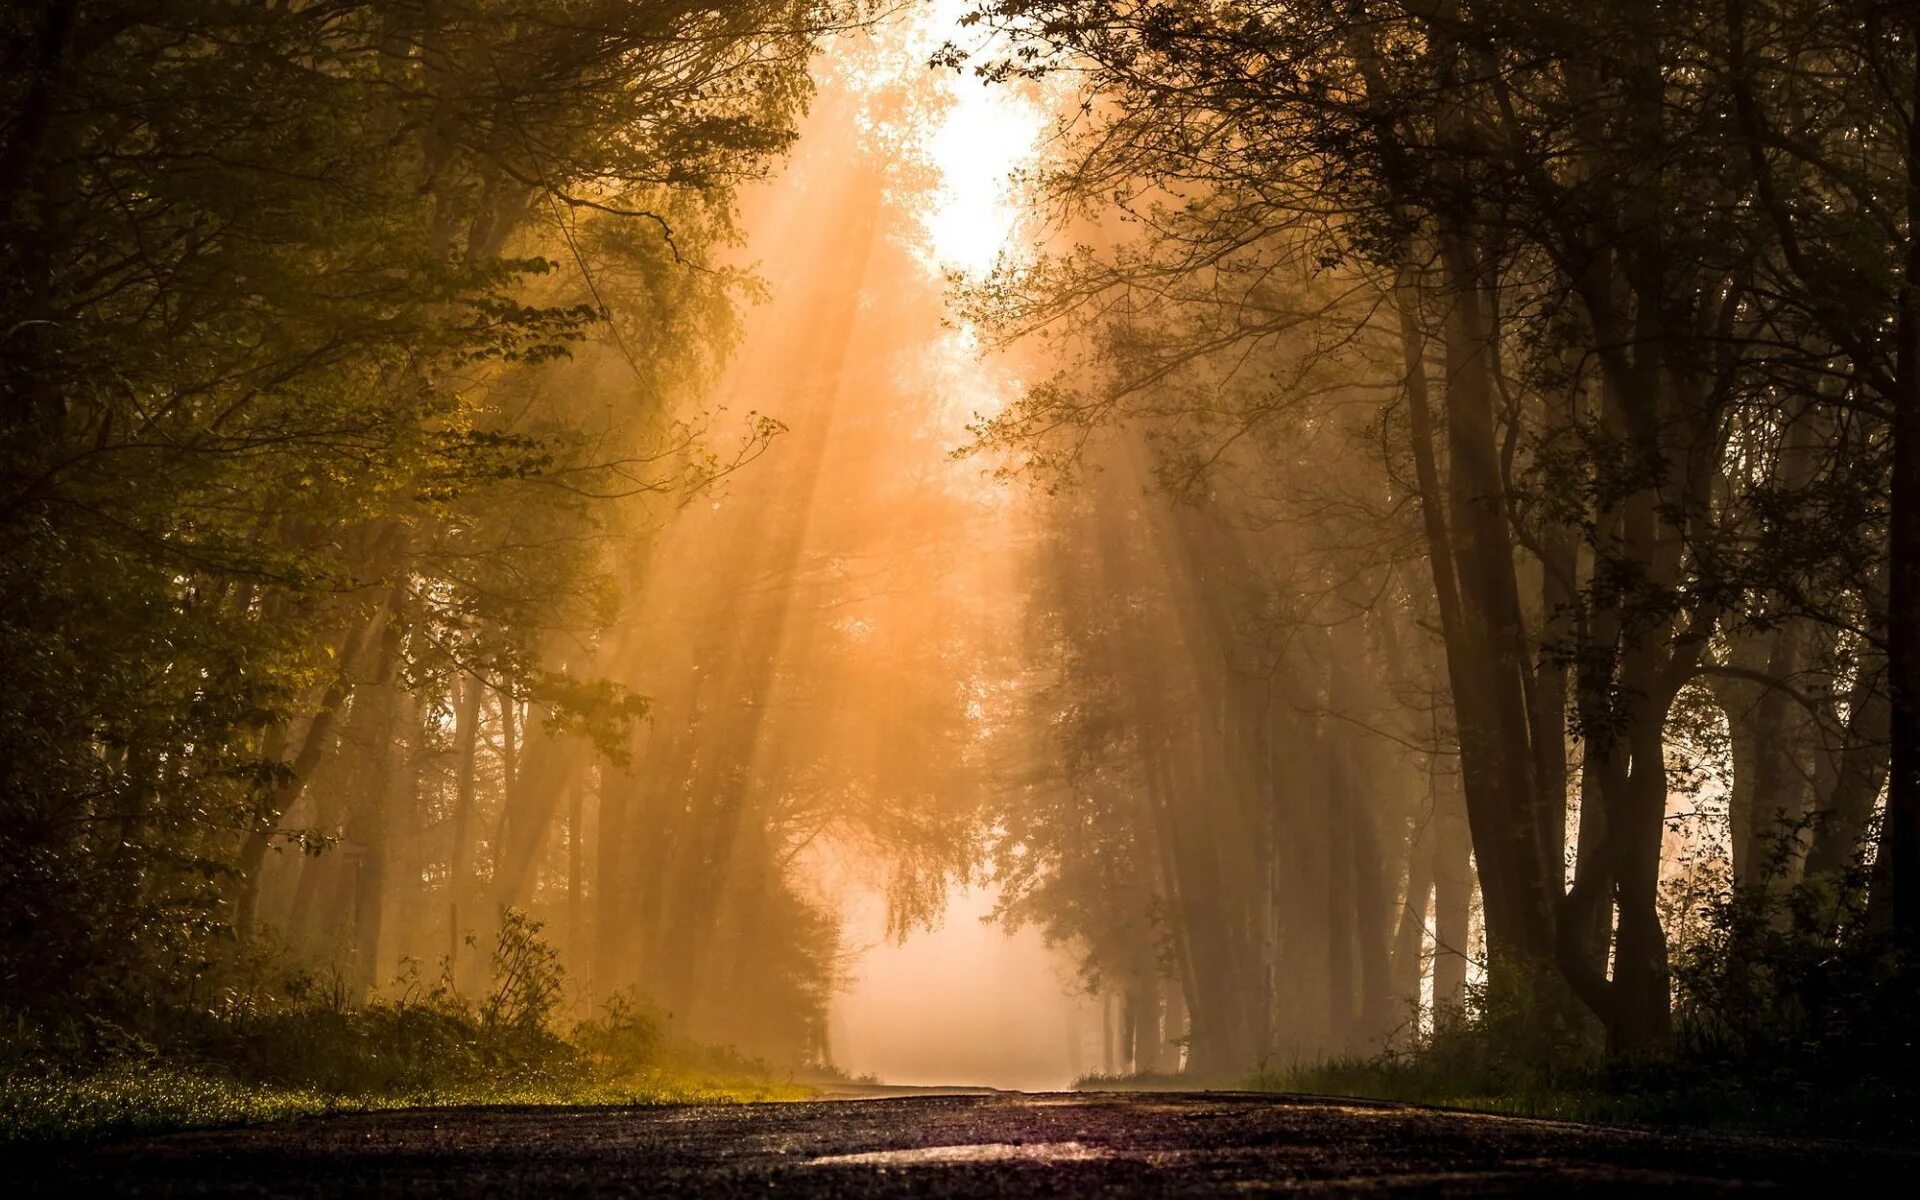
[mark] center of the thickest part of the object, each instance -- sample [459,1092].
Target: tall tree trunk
[1371,918]
[406,898]
[1173,1028]
[576,871]
[543,773]
[1639,1018]
[1108,1060]
[1778,800]
[1518,902]
[1452,911]
[1900,831]
[466,741]
[1471,555]
[1410,933]
[314,744]
[613,901]
[1340,900]
[1858,776]
[1739,699]
[369,828]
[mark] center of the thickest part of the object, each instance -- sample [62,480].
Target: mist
[706,549]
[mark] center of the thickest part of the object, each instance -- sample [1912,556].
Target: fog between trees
[1412,534]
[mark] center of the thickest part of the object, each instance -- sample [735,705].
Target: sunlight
[968,1000]
[982,138]
[963,384]
[954,142]
[612,553]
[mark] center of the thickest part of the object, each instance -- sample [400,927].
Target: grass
[62,1107]
[301,1046]
[129,1100]
[1672,1095]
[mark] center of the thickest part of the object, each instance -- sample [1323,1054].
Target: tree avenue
[1441,594]
[1575,347]
[304,496]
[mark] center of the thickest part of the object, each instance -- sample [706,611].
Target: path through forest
[952,1145]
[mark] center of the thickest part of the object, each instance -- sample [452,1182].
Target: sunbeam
[568,555]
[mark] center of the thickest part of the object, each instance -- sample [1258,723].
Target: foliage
[47,1107]
[345,336]
[1794,988]
[1621,294]
[307,1048]
[1784,1024]
[1681,1093]
[44,1107]
[526,978]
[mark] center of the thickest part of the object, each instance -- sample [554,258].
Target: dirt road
[953,1146]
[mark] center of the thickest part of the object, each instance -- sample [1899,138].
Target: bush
[624,1038]
[1795,987]
[1792,1011]
[273,1042]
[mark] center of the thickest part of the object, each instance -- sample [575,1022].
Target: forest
[1386,533]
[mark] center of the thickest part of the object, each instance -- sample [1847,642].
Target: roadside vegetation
[1524,630]
[279,1041]
[360,352]
[1789,1017]
[1463,630]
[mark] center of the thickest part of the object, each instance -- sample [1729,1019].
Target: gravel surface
[960,1145]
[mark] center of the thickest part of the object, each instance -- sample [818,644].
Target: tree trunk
[613,913]
[313,747]
[1339,901]
[1173,1029]
[466,741]
[544,772]
[1371,921]
[370,819]
[1452,911]
[1508,837]
[1639,1020]
[1470,553]
[1410,934]
[1900,831]
[576,870]
[1778,801]
[1858,776]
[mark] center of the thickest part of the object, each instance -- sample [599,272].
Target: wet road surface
[955,1145]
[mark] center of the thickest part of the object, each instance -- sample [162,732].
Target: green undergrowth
[1682,1095]
[1709,1080]
[61,1106]
[1792,1014]
[157,1098]
[302,1044]
[1678,1095]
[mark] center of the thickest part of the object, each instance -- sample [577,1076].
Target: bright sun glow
[983,137]
[956,147]
[968,137]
